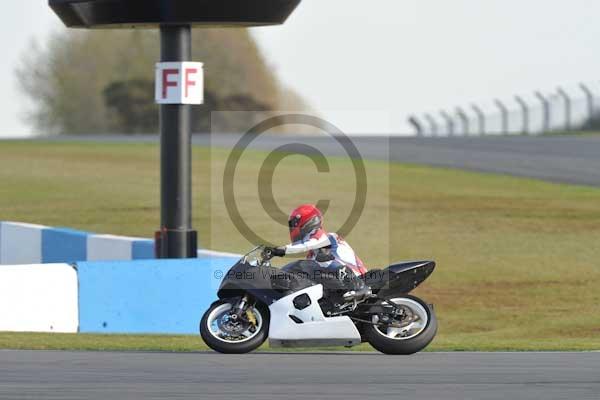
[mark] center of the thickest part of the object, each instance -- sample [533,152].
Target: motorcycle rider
[329,250]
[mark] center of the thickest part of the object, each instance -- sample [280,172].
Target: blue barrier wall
[142,250]
[153,296]
[62,245]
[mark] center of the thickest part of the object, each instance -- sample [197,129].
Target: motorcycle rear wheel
[248,339]
[409,339]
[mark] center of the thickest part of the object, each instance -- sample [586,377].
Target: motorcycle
[304,305]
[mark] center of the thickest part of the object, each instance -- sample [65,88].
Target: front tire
[409,339]
[220,335]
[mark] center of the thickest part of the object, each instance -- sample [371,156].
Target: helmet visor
[294,222]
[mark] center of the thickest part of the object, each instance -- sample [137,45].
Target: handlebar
[264,256]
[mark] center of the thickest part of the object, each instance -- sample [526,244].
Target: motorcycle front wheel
[222,333]
[408,334]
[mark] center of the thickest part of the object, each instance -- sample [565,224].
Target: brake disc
[231,327]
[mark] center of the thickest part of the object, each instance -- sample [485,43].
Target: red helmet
[304,220]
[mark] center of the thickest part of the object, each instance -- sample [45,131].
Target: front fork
[240,307]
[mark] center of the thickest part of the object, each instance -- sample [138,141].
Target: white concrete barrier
[109,248]
[39,298]
[20,243]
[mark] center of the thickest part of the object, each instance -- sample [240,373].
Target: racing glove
[276,251]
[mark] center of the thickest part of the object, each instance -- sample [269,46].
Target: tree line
[90,82]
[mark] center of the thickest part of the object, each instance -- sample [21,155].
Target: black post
[464,120]
[504,116]
[525,112]
[416,124]
[480,118]
[567,101]
[449,123]
[433,126]
[176,239]
[546,111]
[590,100]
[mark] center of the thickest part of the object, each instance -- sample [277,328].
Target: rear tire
[222,345]
[404,346]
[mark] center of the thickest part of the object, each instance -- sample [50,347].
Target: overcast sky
[387,56]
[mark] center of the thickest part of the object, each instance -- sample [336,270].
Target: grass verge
[180,343]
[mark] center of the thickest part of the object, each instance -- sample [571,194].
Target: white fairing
[315,325]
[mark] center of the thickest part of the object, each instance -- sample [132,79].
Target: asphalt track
[563,159]
[265,376]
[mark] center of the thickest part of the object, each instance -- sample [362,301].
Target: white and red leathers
[330,244]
